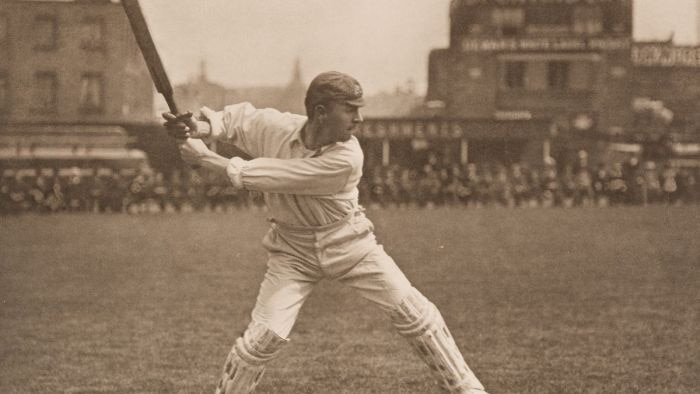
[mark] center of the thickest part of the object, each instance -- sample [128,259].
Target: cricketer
[308,169]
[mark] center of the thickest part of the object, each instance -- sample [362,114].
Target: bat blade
[149,51]
[150,54]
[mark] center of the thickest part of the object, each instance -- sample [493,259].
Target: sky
[383,43]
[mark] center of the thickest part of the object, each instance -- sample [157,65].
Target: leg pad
[421,323]
[245,363]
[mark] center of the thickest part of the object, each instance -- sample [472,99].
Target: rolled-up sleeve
[324,175]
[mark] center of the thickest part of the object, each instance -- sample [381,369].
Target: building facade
[564,59]
[71,62]
[669,75]
[411,141]
[71,78]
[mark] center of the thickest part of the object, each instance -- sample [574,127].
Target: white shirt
[301,186]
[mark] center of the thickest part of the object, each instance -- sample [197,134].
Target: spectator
[117,190]
[55,199]
[195,192]
[568,186]
[160,191]
[617,185]
[177,192]
[97,190]
[669,185]
[19,198]
[521,186]
[502,189]
[392,187]
[377,190]
[583,181]
[600,186]
[76,191]
[452,184]
[483,188]
[633,192]
[407,187]
[429,188]
[39,193]
[135,202]
[551,187]
[687,186]
[5,190]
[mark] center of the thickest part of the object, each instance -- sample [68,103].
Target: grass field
[540,301]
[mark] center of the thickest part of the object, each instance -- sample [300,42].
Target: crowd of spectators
[517,185]
[429,186]
[125,190]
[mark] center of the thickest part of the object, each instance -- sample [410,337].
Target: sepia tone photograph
[353,197]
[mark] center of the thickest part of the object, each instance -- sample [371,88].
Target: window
[45,97]
[536,75]
[547,75]
[91,93]
[514,75]
[555,14]
[4,93]
[508,21]
[558,75]
[45,33]
[588,20]
[92,34]
[581,75]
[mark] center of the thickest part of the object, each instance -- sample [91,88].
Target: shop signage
[665,56]
[544,44]
[397,129]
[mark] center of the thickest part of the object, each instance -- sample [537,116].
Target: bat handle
[171,105]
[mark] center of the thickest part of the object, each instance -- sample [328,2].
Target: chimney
[203,70]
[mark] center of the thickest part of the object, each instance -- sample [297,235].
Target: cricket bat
[152,58]
[150,52]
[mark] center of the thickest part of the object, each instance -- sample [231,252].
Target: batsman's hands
[185,126]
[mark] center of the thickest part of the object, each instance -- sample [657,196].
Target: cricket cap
[334,85]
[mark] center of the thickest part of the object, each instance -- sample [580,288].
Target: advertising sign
[544,44]
[665,56]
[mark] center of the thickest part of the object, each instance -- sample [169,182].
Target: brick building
[568,60]
[71,62]
[67,67]
[669,74]
[573,61]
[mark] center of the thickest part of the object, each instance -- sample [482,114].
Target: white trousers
[299,257]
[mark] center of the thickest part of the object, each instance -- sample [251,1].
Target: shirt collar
[296,139]
[296,136]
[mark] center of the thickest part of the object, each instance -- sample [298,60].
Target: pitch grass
[540,301]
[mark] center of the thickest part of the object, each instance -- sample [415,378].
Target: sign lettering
[544,44]
[666,56]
